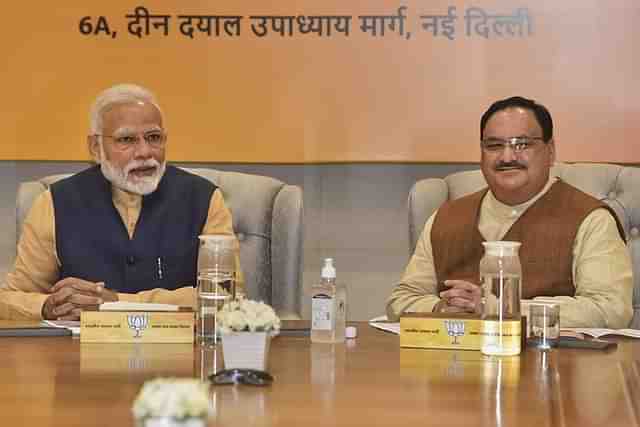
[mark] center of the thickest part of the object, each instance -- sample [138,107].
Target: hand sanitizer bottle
[328,307]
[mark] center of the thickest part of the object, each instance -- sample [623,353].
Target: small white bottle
[328,307]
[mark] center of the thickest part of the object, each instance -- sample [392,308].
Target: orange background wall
[308,99]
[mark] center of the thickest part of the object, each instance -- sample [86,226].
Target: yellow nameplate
[137,326]
[455,331]
[439,330]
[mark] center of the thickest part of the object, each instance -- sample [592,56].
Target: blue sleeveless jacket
[93,244]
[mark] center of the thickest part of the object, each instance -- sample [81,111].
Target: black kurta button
[131,260]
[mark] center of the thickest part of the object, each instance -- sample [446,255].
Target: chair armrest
[286,252]
[425,198]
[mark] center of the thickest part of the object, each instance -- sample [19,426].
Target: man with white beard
[125,229]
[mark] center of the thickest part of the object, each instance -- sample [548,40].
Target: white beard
[120,177]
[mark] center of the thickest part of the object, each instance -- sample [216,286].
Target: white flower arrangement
[179,398]
[247,315]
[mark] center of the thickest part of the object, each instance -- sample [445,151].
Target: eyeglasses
[518,144]
[154,138]
[241,376]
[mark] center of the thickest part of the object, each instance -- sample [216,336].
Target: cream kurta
[601,267]
[37,266]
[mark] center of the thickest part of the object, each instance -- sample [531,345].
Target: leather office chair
[618,186]
[267,220]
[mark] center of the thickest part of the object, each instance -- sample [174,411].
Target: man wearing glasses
[125,229]
[572,246]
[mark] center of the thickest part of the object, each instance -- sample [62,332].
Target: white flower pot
[246,350]
[172,422]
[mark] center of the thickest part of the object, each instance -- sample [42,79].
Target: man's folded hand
[462,297]
[72,295]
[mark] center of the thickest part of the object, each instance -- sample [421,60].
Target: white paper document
[72,325]
[137,306]
[383,324]
[597,332]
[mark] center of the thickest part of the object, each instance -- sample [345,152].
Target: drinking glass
[216,281]
[545,325]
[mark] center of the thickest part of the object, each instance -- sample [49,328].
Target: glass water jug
[501,281]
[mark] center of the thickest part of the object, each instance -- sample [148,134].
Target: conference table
[368,381]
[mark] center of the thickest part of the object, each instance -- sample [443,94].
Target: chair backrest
[613,184]
[267,219]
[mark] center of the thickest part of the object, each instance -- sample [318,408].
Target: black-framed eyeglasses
[518,144]
[241,376]
[155,139]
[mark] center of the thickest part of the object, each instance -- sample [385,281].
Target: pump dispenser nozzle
[328,271]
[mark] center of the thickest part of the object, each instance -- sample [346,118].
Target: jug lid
[214,237]
[501,247]
[221,241]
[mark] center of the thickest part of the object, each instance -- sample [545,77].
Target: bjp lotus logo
[138,323]
[455,329]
